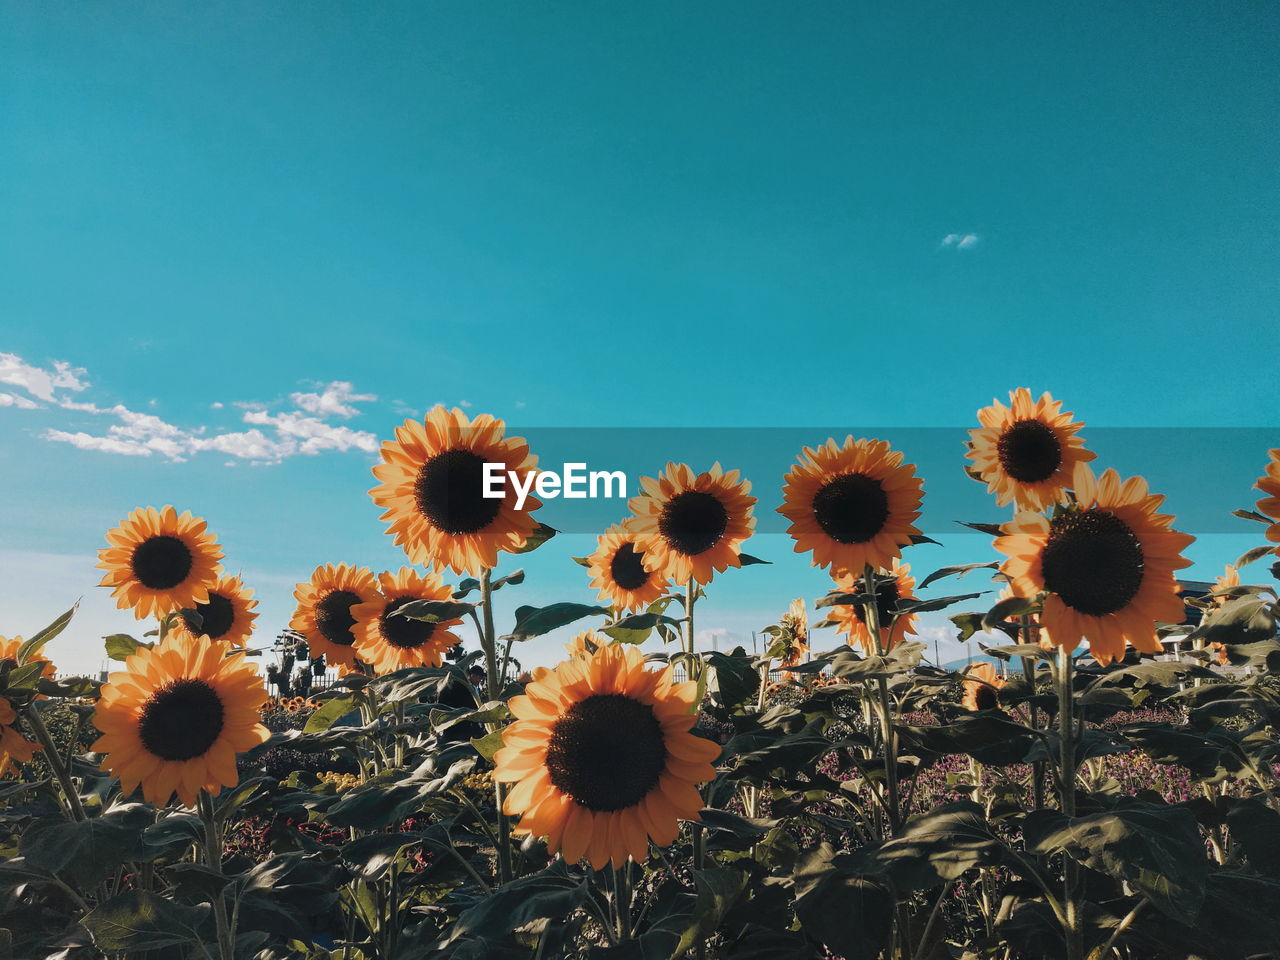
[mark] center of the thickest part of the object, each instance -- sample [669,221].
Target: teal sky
[596,214]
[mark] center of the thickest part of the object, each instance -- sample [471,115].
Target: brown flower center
[626,569]
[886,602]
[181,720]
[852,508]
[606,752]
[1029,451]
[161,563]
[693,522]
[216,617]
[984,697]
[1093,561]
[450,493]
[334,619]
[403,632]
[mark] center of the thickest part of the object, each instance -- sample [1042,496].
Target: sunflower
[158,562]
[618,572]
[1026,453]
[795,624]
[9,651]
[324,613]
[389,642]
[585,644]
[14,746]
[1107,563]
[852,505]
[1230,578]
[850,617]
[602,758]
[176,716]
[1269,483]
[691,525]
[227,616]
[432,489]
[981,687]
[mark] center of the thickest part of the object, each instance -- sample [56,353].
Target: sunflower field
[1104,783]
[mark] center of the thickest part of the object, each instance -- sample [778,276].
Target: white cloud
[19,401]
[216,405]
[39,382]
[465,404]
[961,241]
[273,437]
[520,404]
[334,401]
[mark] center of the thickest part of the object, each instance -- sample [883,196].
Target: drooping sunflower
[602,759]
[981,687]
[158,561]
[9,651]
[227,616]
[618,572]
[14,747]
[432,490]
[852,505]
[175,717]
[1269,483]
[324,613]
[795,625]
[691,525]
[1026,453]
[389,642]
[850,618]
[1106,562]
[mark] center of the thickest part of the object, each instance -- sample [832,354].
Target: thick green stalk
[1067,798]
[493,688]
[213,859]
[871,616]
[54,759]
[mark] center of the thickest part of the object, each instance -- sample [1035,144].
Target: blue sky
[599,215]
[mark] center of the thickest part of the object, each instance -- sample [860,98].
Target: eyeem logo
[574,482]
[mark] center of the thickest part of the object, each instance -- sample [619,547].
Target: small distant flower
[981,687]
[227,616]
[692,525]
[618,572]
[1026,453]
[158,562]
[324,614]
[850,618]
[852,505]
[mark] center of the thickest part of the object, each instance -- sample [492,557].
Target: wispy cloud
[961,241]
[271,437]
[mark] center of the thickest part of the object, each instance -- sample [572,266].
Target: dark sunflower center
[886,602]
[606,752]
[181,720]
[693,522]
[626,568]
[449,491]
[216,617]
[161,563]
[1029,451]
[852,508]
[1093,561]
[985,698]
[403,632]
[334,619]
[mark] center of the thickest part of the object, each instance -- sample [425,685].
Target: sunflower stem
[492,690]
[622,893]
[213,859]
[54,759]
[871,614]
[1067,800]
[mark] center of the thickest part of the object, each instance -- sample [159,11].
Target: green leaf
[84,851]
[1007,609]
[935,847]
[929,606]
[637,627]
[1249,556]
[121,646]
[136,921]
[535,621]
[552,893]
[839,598]
[32,646]
[1240,620]
[434,611]
[1157,849]
[957,571]
[748,560]
[1255,516]
[718,890]
[851,914]
[369,857]
[471,584]
[540,535]
[990,529]
[1256,827]
[330,713]
[734,680]
[488,745]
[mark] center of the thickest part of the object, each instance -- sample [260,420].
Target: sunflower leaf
[990,529]
[1257,553]
[748,560]
[434,611]
[32,647]
[1006,609]
[488,745]
[838,598]
[929,606]
[535,621]
[919,538]
[137,921]
[1253,515]
[329,714]
[471,584]
[121,646]
[540,535]
[957,571]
